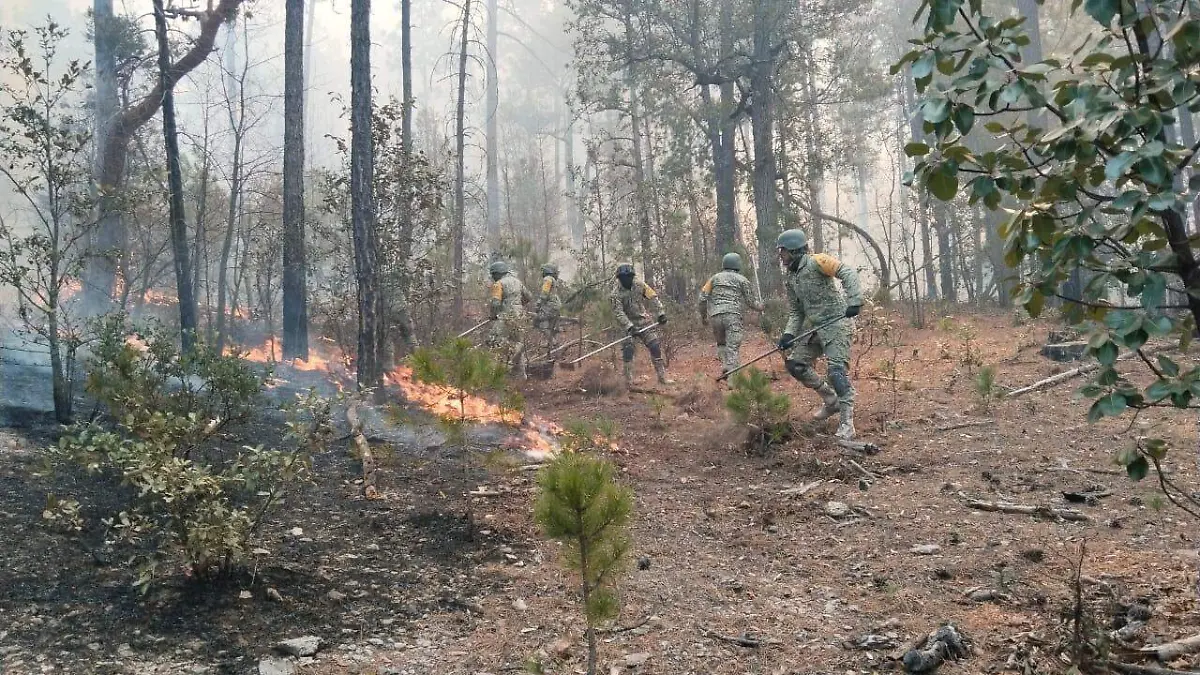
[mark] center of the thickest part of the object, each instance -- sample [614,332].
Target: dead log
[1076,372]
[1174,650]
[1131,669]
[1042,511]
[801,490]
[944,644]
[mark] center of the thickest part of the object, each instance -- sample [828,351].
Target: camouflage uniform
[629,308]
[721,301]
[507,334]
[815,299]
[549,307]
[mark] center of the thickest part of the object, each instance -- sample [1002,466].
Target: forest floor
[735,544]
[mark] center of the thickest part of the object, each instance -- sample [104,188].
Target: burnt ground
[729,550]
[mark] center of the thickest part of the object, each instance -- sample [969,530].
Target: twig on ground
[624,629]
[1023,509]
[743,640]
[964,425]
[1131,669]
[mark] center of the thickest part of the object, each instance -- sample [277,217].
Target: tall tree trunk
[815,170]
[766,203]
[308,52]
[406,144]
[639,168]
[179,242]
[574,210]
[460,215]
[237,123]
[493,129]
[109,239]
[725,161]
[362,199]
[295,292]
[942,227]
[107,105]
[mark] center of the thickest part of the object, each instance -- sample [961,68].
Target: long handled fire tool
[570,365]
[776,350]
[477,327]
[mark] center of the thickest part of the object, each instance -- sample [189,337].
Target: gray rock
[836,509]
[276,666]
[925,549]
[301,646]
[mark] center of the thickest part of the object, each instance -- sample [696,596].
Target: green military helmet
[550,270]
[792,240]
[625,270]
[732,261]
[498,269]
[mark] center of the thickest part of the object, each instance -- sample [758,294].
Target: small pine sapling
[580,504]
[755,406]
[985,387]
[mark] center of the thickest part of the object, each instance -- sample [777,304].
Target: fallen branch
[1174,650]
[801,490]
[624,629]
[741,640]
[1130,669]
[964,425]
[1076,372]
[1022,509]
[863,472]
[858,446]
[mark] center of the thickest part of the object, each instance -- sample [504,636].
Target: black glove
[852,311]
[786,341]
[662,319]
[632,330]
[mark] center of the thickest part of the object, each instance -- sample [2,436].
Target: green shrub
[183,508]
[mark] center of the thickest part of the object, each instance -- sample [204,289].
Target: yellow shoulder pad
[648,292]
[828,264]
[497,291]
[707,286]
[547,284]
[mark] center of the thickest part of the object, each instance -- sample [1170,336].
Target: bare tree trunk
[362,199]
[815,169]
[766,201]
[574,210]
[724,161]
[493,129]
[639,167]
[109,240]
[179,242]
[237,122]
[460,215]
[295,291]
[107,105]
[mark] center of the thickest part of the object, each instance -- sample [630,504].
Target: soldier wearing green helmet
[722,300]
[509,320]
[816,299]
[627,298]
[549,304]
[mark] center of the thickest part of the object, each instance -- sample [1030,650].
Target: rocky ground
[807,559]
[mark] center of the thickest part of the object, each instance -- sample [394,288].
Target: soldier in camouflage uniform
[509,319]
[627,298]
[722,299]
[549,305]
[816,299]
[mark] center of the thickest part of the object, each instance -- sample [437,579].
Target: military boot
[830,407]
[660,369]
[627,371]
[845,430]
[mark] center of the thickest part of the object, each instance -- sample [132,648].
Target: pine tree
[581,505]
[754,405]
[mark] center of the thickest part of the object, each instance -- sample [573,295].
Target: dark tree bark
[179,241]
[295,291]
[362,209]
[815,170]
[641,198]
[107,106]
[762,121]
[493,130]
[110,237]
[725,161]
[460,133]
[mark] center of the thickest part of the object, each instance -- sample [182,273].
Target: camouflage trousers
[547,326]
[506,340]
[832,342]
[727,329]
[649,338]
